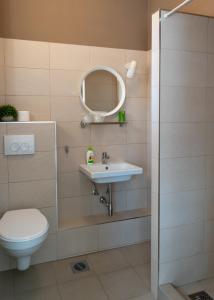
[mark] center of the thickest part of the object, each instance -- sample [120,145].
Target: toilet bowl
[22,232]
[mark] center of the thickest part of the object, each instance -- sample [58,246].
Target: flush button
[19,144]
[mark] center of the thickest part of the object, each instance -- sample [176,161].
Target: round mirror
[102,91]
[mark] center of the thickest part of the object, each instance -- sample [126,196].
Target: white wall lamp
[131,68]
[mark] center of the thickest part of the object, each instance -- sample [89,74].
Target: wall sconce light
[131,68]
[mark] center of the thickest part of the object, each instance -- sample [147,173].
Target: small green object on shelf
[122,116]
[8,113]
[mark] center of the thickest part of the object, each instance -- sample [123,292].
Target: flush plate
[19,144]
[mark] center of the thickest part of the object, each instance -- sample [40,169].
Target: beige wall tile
[68,162]
[137,86]
[183,271]
[65,82]
[112,235]
[73,185]
[97,207]
[117,153]
[136,132]
[108,57]
[210,268]
[209,213]
[137,199]
[177,32]
[86,240]
[51,214]
[69,57]
[66,109]
[209,139]
[136,109]
[180,140]
[182,208]
[4,198]
[209,229]
[3,169]
[22,81]
[39,106]
[183,104]
[210,35]
[137,154]
[108,135]
[182,174]
[209,105]
[180,68]
[2,81]
[71,134]
[2,52]
[44,134]
[2,100]
[36,194]
[26,54]
[210,70]
[181,242]
[209,171]
[74,208]
[39,166]
[137,182]
[119,201]
[141,57]
[47,252]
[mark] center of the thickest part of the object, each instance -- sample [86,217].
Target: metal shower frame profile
[174,10]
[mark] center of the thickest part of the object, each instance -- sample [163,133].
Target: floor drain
[200,296]
[80,266]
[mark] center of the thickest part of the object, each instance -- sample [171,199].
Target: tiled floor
[206,285]
[118,274]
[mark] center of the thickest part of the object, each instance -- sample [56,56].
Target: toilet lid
[22,225]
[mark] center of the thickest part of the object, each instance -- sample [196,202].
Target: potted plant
[8,113]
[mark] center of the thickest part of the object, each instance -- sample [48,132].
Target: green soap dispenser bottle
[90,156]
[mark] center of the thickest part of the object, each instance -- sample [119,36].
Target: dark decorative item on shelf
[8,113]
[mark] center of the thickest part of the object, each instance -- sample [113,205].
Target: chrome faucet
[105,158]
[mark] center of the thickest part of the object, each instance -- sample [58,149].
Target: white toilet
[22,232]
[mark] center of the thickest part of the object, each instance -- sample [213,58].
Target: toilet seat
[22,225]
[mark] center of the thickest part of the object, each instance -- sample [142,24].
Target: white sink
[112,172]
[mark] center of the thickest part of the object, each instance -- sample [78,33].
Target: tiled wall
[186,149]
[28,181]
[45,79]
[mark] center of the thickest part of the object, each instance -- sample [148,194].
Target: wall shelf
[84,125]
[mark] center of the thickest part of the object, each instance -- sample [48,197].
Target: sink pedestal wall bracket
[107,201]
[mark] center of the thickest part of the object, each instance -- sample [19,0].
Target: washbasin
[109,173]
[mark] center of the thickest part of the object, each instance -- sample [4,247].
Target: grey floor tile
[46,293]
[144,272]
[123,284]
[63,271]
[83,289]
[137,254]
[107,261]
[208,284]
[6,285]
[190,288]
[34,278]
[144,297]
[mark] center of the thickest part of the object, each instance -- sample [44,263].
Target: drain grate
[80,267]
[202,295]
